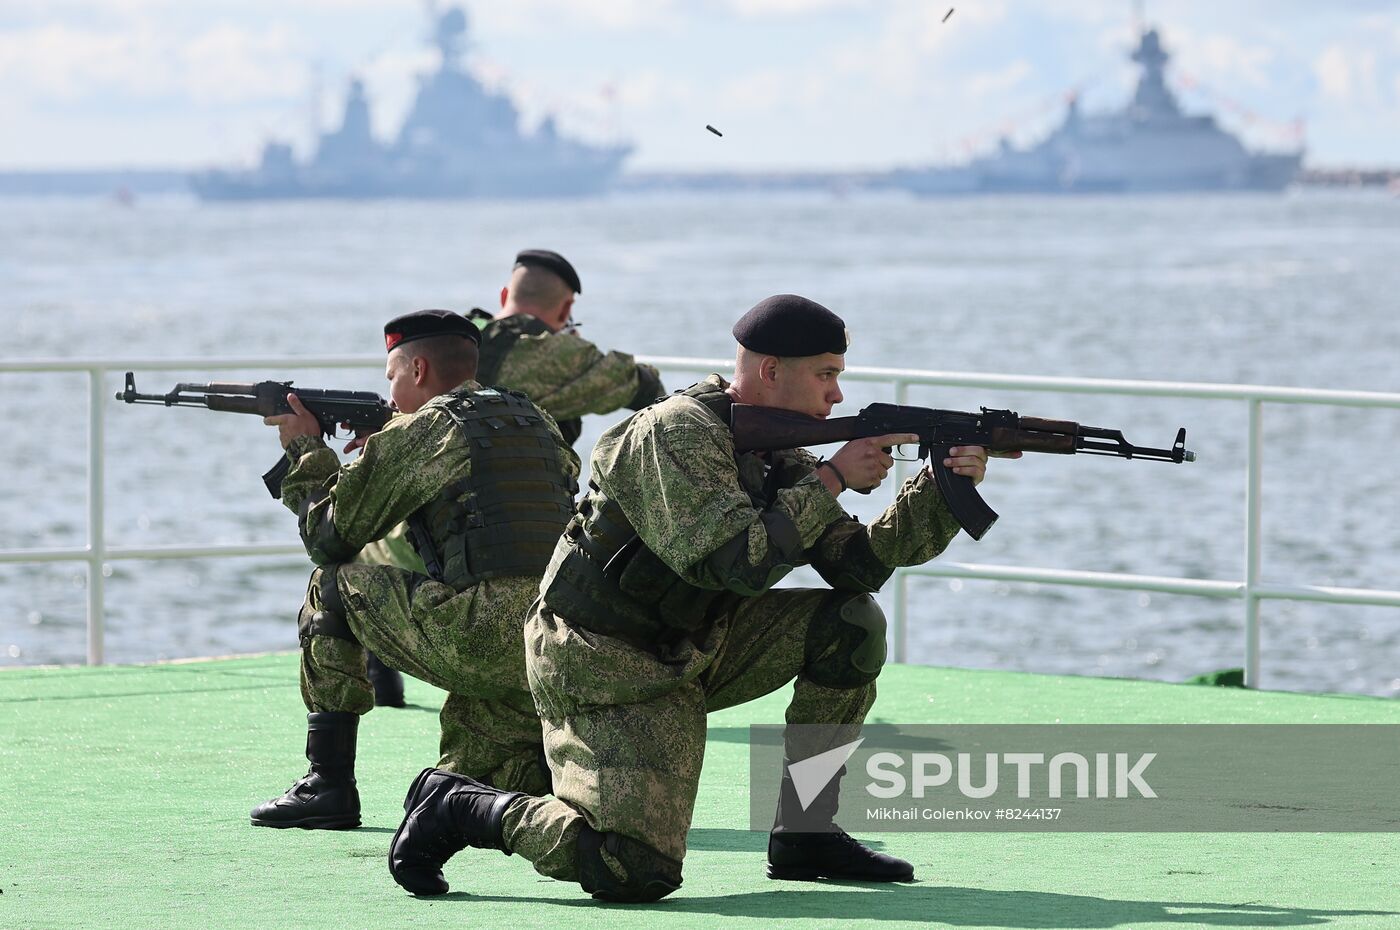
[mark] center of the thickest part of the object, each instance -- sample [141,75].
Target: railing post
[900,626]
[97,545]
[1253,505]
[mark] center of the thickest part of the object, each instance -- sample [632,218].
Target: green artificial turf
[126,791]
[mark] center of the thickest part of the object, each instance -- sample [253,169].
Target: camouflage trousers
[468,644]
[624,728]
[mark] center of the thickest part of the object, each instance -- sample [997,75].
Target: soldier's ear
[768,369]
[505,295]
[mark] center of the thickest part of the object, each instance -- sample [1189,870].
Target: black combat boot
[806,845]
[443,814]
[388,683]
[326,797]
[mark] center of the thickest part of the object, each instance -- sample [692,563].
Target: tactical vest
[498,337]
[505,517]
[610,582]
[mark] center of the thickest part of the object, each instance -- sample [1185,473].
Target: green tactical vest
[498,337]
[506,516]
[611,583]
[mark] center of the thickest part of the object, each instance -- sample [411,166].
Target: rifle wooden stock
[766,429]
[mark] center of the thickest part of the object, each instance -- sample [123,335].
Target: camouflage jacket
[403,467]
[672,470]
[566,375]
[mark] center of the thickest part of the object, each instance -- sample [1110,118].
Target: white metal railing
[1251,589]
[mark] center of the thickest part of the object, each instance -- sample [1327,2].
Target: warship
[459,140]
[1151,145]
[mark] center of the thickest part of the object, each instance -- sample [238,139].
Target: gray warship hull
[1262,173]
[554,181]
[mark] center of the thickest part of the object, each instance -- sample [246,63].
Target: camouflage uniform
[625,662]
[463,639]
[565,375]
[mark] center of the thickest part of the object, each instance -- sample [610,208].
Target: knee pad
[329,619]
[650,876]
[846,641]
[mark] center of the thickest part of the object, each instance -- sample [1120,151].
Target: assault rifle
[361,411]
[761,429]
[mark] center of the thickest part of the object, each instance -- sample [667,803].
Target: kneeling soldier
[658,606]
[485,482]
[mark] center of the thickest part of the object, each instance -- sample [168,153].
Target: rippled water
[1298,290]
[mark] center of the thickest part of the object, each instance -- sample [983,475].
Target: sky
[791,84]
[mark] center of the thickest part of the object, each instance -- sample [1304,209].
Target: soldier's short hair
[454,358]
[536,286]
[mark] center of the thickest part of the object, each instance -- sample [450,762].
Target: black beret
[789,325]
[420,324]
[551,261]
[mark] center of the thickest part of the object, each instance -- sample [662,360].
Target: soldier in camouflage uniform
[529,347]
[658,606]
[485,483]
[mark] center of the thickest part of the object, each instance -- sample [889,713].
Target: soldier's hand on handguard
[300,422]
[971,461]
[864,463]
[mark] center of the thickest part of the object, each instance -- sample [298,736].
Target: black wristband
[835,471]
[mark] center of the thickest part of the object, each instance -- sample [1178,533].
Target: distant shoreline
[110,182]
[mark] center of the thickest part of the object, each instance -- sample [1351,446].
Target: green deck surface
[126,793]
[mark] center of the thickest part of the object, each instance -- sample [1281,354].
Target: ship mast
[449,35]
[1152,97]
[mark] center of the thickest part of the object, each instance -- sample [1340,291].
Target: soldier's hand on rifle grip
[300,422]
[865,462]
